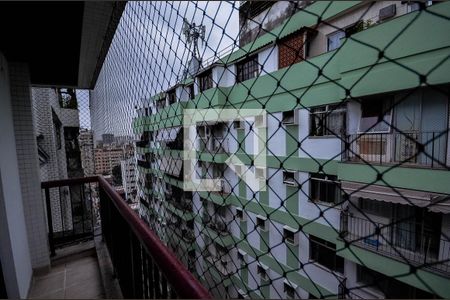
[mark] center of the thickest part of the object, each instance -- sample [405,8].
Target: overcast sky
[149,52]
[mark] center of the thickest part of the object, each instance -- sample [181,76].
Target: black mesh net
[280,149]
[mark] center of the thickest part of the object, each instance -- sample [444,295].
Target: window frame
[205,81]
[264,226]
[294,233]
[294,116]
[240,211]
[334,182]
[335,33]
[171,96]
[292,286]
[295,177]
[247,69]
[324,115]
[389,114]
[263,271]
[314,252]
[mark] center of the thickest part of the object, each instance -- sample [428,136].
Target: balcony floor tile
[73,279]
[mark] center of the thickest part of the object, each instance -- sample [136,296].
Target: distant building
[128,167]
[86,141]
[106,158]
[108,138]
[57,125]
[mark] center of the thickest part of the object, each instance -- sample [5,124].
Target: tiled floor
[74,279]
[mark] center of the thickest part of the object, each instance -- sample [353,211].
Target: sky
[149,52]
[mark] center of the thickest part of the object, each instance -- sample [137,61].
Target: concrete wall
[27,156]
[14,244]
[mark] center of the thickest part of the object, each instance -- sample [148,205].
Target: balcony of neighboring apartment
[178,198]
[144,161]
[408,129]
[213,138]
[412,234]
[217,218]
[219,257]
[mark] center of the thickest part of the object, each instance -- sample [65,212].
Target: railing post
[381,148]
[432,151]
[49,222]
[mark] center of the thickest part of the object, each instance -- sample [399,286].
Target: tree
[117,175]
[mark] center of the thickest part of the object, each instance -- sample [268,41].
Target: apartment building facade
[337,217]
[128,169]
[86,140]
[106,158]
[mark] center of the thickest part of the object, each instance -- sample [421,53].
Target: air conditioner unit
[260,121]
[290,178]
[290,117]
[238,124]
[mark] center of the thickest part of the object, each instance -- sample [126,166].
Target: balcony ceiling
[64,43]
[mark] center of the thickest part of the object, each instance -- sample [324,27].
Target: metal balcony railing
[413,148]
[142,143]
[399,241]
[143,164]
[144,266]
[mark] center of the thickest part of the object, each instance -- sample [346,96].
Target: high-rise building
[106,158]
[107,138]
[86,141]
[356,184]
[128,168]
[56,123]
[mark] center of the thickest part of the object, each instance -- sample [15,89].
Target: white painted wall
[268,60]
[14,247]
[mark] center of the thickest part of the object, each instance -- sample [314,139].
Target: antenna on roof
[193,33]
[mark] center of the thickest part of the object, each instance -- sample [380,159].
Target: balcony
[214,145]
[409,149]
[142,144]
[143,265]
[395,240]
[144,164]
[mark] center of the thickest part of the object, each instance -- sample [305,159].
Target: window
[241,255]
[289,117]
[328,120]
[191,91]
[205,81]
[262,271]
[325,188]
[289,178]
[291,50]
[238,124]
[290,235]
[375,116]
[289,289]
[324,253]
[247,69]
[335,40]
[261,222]
[239,213]
[58,127]
[172,96]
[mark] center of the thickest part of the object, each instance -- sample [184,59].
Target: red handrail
[179,277]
